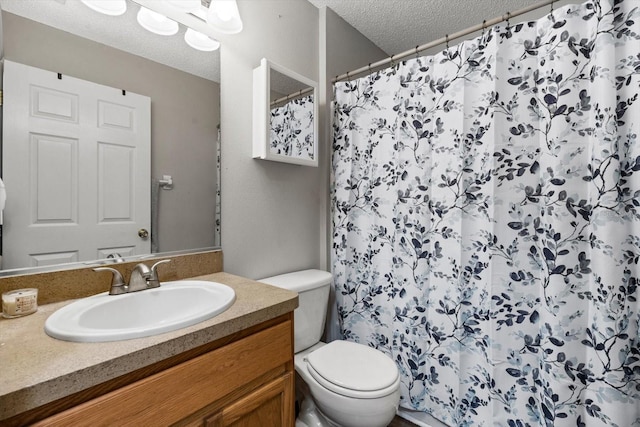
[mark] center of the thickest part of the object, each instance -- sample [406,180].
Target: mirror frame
[262,113]
[110,262]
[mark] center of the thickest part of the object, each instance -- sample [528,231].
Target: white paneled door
[77,167]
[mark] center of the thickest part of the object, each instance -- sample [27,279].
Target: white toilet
[347,384]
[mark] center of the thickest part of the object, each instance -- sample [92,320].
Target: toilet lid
[353,366]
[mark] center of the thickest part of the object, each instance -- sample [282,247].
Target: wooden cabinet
[268,406]
[247,382]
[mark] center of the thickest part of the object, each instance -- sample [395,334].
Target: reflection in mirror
[68,39]
[291,107]
[285,111]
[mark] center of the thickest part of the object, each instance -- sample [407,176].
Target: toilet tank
[312,287]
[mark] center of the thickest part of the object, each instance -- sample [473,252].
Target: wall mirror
[182,84]
[285,112]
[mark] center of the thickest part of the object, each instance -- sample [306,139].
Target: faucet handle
[117,282]
[153,276]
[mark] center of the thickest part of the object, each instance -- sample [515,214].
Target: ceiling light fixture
[187,6]
[163,18]
[107,7]
[156,23]
[223,16]
[200,41]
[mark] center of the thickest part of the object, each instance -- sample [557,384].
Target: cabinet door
[268,406]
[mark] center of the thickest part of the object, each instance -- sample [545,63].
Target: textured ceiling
[121,32]
[396,26]
[393,25]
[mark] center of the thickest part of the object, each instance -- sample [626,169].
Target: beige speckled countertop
[37,369]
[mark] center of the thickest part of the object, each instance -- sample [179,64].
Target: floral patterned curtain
[486,219]
[292,129]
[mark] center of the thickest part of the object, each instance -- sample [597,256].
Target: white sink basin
[172,306]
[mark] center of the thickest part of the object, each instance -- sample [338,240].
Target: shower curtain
[486,221]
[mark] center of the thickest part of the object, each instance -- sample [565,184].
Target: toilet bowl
[344,383]
[367,396]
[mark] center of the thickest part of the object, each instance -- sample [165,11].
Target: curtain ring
[370,68]
[417,51]
[508,18]
[484,26]
[348,78]
[392,63]
[446,38]
[552,2]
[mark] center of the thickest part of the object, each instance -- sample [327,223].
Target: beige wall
[185,113]
[274,215]
[270,210]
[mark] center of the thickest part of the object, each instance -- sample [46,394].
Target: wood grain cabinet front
[248,382]
[268,406]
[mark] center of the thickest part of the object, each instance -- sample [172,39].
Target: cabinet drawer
[171,395]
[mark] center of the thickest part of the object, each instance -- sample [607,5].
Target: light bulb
[224,17]
[200,41]
[225,10]
[156,23]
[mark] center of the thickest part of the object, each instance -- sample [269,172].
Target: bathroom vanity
[235,369]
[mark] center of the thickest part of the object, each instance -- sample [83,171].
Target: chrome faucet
[118,286]
[138,278]
[116,257]
[142,277]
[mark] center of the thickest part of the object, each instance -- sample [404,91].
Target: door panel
[53,174]
[53,105]
[116,171]
[43,260]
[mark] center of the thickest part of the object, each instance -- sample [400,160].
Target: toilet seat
[353,370]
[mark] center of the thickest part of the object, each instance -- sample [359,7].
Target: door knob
[143,233]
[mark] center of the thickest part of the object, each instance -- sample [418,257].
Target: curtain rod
[487,23]
[292,96]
